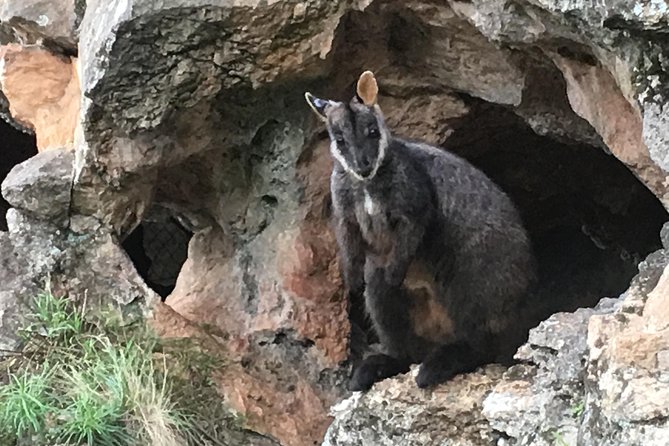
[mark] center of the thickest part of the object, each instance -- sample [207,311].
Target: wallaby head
[358,133]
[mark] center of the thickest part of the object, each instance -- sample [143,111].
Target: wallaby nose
[365,167]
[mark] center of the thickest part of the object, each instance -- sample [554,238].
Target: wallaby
[438,249]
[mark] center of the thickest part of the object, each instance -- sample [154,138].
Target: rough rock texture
[47,247]
[35,21]
[542,399]
[171,325]
[627,374]
[42,185]
[397,412]
[195,109]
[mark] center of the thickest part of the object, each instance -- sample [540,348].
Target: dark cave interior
[591,221]
[158,247]
[15,147]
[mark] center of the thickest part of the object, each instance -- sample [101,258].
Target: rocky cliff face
[177,130]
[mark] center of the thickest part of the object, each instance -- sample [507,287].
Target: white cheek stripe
[339,157]
[383,145]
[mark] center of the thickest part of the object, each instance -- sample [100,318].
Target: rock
[89,265]
[542,399]
[97,267]
[171,326]
[43,93]
[30,252]
[42,185]
[34,21]
[655,128]
[280,305]
[594,95]
[13,288]
[395,412]
[197,109]
[627,372]
[599,68]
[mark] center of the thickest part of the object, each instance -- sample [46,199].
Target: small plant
[559,439]
[577,409]
[53,318]
[25,403]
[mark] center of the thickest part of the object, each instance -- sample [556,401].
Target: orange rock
[43,92]
[278,306]
[595,96]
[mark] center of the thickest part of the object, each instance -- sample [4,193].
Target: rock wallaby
[437,249]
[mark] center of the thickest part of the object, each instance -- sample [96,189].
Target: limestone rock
[42,185]
[271,284]
[98,268]
[655,130]
[12,288]
[34,21]
[604,69]
[83,261]
[43,93]
[396,412]
[30,252]
[170,325]
[627,373]
[594,95]
[542,399]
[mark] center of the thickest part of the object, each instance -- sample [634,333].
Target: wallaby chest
[373,214]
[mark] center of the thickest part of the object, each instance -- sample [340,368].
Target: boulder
[42,185]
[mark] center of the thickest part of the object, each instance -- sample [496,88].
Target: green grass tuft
[82,383]
[25,403]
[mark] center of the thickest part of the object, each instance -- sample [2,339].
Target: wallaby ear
[317,105]
[367,88]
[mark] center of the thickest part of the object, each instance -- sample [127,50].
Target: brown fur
[429,318]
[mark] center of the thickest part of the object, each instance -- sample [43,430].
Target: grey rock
[12,289]
[39,255]
[99,269]
[30,252]
[42,185]
[542,400]
[396,412]
[655,131]
[41,21]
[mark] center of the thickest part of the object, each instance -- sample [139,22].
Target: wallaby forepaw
[431,374]
[374,369]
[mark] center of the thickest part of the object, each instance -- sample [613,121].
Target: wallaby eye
[339,139]
[373,132]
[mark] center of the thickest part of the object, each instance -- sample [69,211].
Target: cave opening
[15,147]
[590,219]
[158,248]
